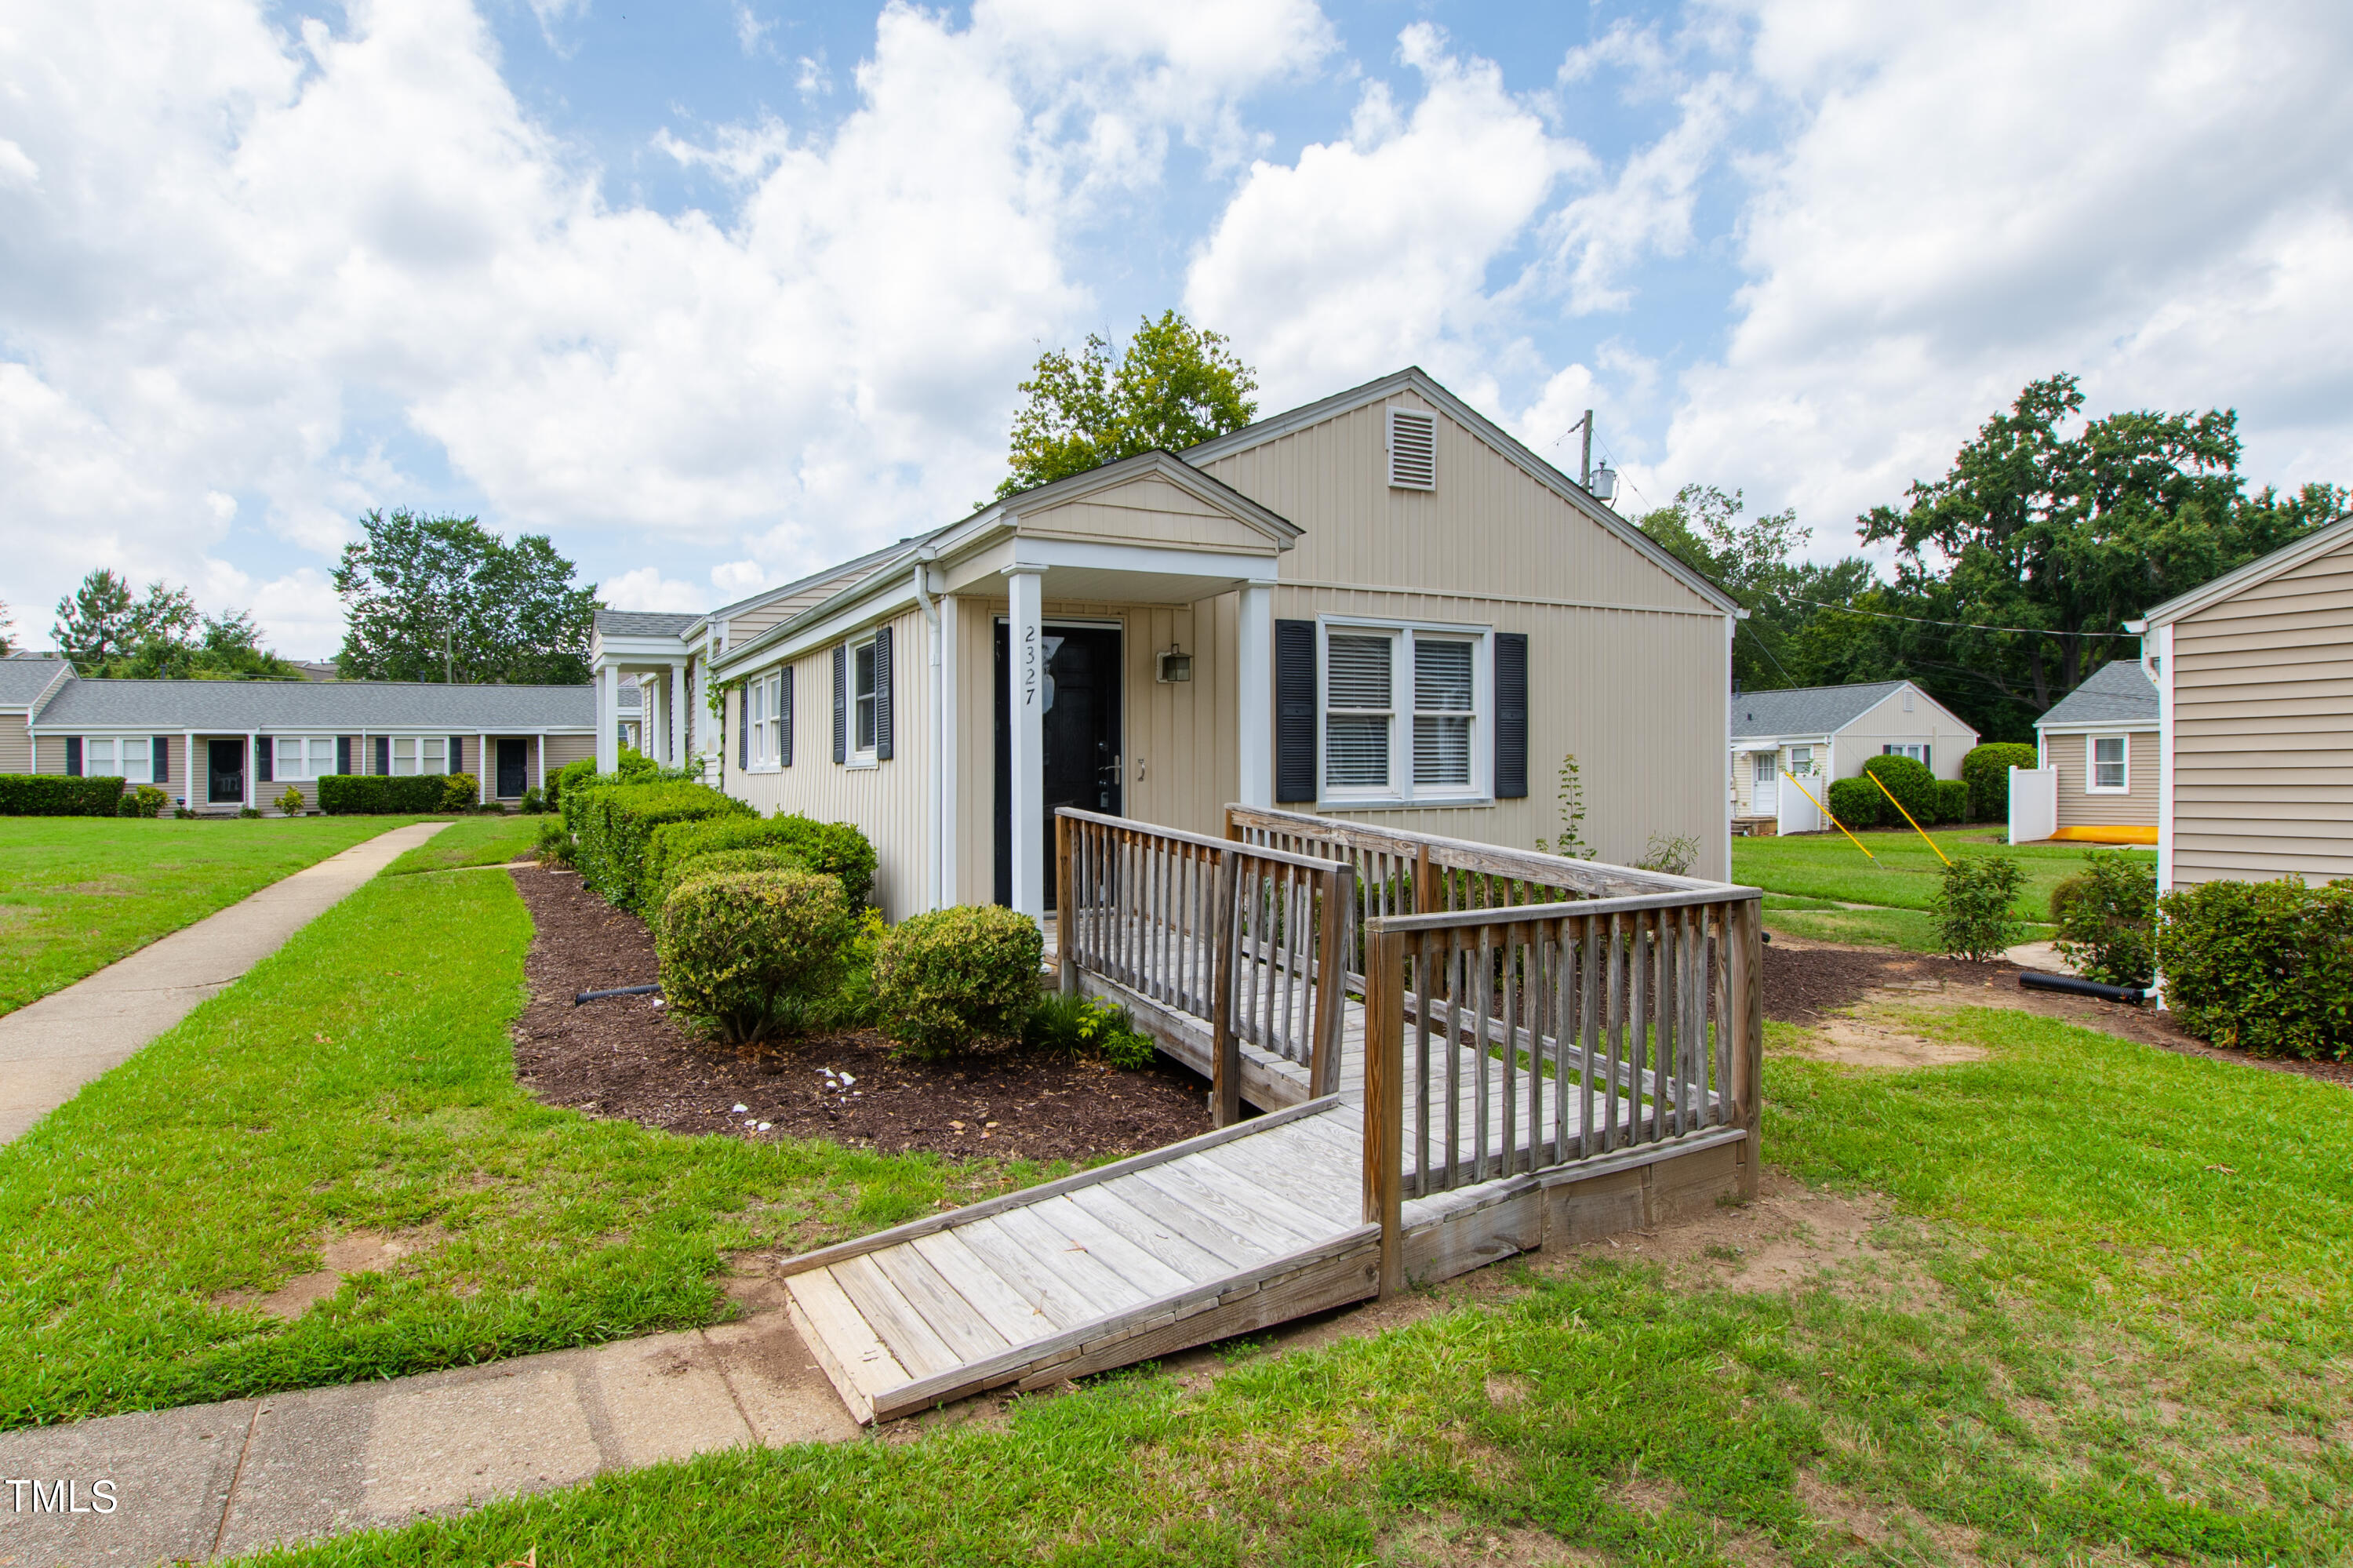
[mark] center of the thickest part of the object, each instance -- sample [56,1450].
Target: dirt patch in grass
[628,1058]
[359,1252]
[1857,1043]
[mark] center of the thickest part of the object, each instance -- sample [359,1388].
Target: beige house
[25,681]
[217,747]
[2253,674]
[2102,741]
[1379,606]
[1817,733]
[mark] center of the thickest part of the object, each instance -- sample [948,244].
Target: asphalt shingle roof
[643,622]
[22,680]
[1805,710]
[338,707]
[2116,693]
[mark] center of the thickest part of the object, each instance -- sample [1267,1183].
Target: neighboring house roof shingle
[2119,693]
[338,707]
[22,680]
[1806,710]
[642,622]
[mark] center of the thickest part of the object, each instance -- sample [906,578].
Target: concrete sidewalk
[220,1481]
[49,1049]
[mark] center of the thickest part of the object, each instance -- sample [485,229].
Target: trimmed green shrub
[553,847]
[533,804]
[1857,802]
[1912,784]
[1973,906]
[1952,800]
[1088,1026]
[144,802]
[2106,916]
[835,848]
[752,953]
[289,802]
[570,774]
[1986,771]
[945,980]
[382,795]
[459,793]
[718,863]
[55,795]
[613,825]
[2261,967]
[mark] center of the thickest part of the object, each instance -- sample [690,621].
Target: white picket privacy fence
[1799,814]
[2033,804]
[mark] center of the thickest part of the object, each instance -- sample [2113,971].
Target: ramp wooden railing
[1233,933]
[1419,874]
[1533,1037]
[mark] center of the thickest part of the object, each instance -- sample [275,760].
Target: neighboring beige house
[26,680]
[2103,740]
[221,746]
[2254,680]
[1377,606]
[1825,733]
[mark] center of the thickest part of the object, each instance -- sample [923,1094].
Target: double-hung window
[756,724]
[421,754]
[132,759]
[865,687]
[774,719]
[1916,753]
[1801,760]
[2108,773]
[304,757]
[1403,713]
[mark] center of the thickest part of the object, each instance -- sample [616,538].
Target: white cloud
[645,589]
[1975,195]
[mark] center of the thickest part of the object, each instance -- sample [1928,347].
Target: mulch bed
[626,1058]
[1804,980]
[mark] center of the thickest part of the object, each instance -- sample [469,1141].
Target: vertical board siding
[2263,729]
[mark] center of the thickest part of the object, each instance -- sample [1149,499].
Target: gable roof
[2118,693]
[1414,377]
[643,622]
[2319,542]
[1809,710]
[23,680]
[339,707]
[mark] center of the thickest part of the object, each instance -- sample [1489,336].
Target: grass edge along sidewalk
[361,1081]
[2100,1327]
[97,889]
[472,842]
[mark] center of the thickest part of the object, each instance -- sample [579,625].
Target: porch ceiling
[1101,585]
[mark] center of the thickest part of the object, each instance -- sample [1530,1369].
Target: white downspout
[935,894]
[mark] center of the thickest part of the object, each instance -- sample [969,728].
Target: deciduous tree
[102,620]
[429,598]
[1175,386]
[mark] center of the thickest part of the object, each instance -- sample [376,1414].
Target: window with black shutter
[882,746]
[840,703]
[1294,710]
[1511,716]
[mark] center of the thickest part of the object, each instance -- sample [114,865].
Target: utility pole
[447,678]
[1585,476]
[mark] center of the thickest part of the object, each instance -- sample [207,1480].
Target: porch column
[1026,669]
[1254,694]
[252,765]
[674,713]
[949,738]
[608,719]
[481,770]
[188,780]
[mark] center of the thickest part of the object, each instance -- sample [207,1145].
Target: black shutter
[265,759]
[744,726]
[883,696]
[73,757]
[159,759]
[1924,752]
[784,693]
[1294,710]
[1511,716]
[342,753]
[457,754]
[841,703]
[383,755]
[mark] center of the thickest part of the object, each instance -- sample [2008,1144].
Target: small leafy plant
[945,980]
[147,801]
[288,802]
[1569,845]
[1973,906]
[1674,853]
[1086,1025]
[2106,916]
[533,803]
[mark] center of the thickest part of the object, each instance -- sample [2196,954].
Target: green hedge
[55,795]
[1857,802]
[396,795]
[947,979]
[1986,771]
[1912,784]
[834,849]
[753,953]
[2265,967]
[614,824]
[1952,800]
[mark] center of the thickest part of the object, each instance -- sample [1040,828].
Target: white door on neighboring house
[1764,783]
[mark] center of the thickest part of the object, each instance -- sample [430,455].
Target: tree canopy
[1176,386]
[429,598]
[109,633]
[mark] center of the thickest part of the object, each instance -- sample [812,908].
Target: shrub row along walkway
[50,1048]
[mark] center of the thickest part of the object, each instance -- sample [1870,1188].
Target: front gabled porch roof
[1223,540]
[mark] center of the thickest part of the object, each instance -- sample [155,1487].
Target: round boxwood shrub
[1857,802]
[1952,798]
[1912,784]
[945,980]
[716,862]
[751,952]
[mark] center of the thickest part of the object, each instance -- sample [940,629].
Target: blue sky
[715,291]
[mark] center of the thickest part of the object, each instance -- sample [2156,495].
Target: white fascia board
[1759,742]
[1249,568]
[2319,542]
[2113,726]
[614,650]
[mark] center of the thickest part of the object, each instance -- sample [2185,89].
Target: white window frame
[303,769]
[1915,749]
[759,693]
[116,765]
[772,720]
[2092,785]
[422,750]
[1802,761]
[863,756]
[1401,790]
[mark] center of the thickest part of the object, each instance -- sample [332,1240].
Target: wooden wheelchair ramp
[1237,1230]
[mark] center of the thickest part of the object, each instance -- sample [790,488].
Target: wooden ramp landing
[1237,1230]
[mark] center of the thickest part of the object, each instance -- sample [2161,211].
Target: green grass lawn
[2129,1344]
[472,841]
[361,1079]
[1812,874]
[77,892]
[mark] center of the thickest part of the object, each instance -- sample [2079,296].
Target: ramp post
[1066,923]
[1384,1098]
[1225,1046]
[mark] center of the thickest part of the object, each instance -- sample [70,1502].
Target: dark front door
[1081,726]
[511,758]
[226,786]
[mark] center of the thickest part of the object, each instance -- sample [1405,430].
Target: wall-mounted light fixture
[1176,666]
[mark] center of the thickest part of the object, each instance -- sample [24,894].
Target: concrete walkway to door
[50,1048]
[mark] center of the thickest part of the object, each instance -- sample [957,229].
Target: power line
[1965,625]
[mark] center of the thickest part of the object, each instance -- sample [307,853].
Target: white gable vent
[1413,450]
